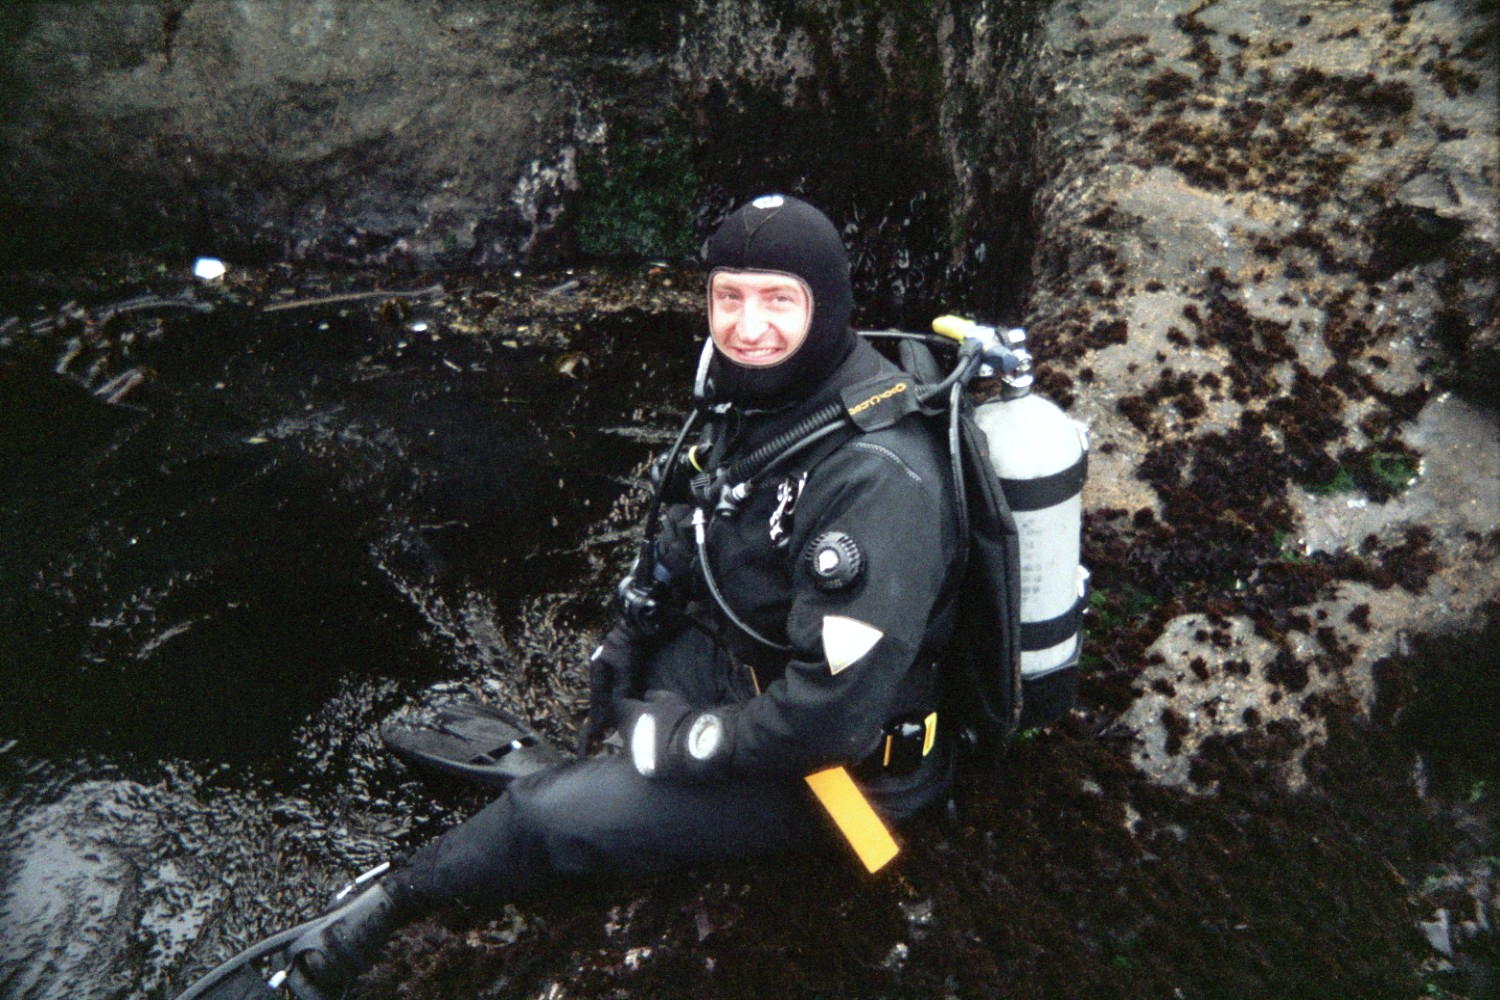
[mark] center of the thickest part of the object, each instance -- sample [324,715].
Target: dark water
[214,589]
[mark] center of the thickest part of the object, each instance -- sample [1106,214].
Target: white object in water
[208,268]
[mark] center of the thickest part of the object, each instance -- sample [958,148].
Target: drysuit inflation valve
[834,560]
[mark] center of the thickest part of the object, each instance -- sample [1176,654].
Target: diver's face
[758,318]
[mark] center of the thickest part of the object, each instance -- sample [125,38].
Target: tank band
[1046,491]
[1046,634]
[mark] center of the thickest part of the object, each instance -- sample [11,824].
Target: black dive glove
[613,675]
[670,740]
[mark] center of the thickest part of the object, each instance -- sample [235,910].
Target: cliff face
[480,135]
[948,139]
[344,130]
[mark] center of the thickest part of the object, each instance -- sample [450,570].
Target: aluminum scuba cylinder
[1040,456]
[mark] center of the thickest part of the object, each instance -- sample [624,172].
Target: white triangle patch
[845,640]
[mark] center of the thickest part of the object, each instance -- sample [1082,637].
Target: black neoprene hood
[781,233]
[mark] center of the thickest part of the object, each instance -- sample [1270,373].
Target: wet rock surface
[318,503]
[1272,406]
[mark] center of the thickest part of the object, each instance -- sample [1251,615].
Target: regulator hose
[667,469]
[955,455]
[815,421]
[700,528]
[821,421]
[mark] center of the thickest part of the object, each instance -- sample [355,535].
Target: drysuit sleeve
[853,646]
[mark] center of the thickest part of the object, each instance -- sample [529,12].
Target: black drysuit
[889,490]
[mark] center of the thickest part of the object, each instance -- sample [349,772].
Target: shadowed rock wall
[498,135]
[328,129]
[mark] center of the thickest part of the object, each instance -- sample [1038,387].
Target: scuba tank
[1040,456]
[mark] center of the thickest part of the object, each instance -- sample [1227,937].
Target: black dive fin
[469,740]
[236,978]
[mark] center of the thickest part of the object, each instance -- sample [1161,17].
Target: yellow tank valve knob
[953,327]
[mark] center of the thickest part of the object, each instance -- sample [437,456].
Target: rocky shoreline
[1255,244]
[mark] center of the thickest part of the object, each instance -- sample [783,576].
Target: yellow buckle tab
[854,816]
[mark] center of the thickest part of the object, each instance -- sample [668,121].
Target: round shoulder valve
[834,560]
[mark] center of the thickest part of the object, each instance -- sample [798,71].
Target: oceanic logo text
[879,397]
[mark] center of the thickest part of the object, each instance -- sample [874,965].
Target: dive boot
[331,955]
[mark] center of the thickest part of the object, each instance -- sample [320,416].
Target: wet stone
[300,520]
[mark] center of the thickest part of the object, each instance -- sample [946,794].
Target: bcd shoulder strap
[981,677]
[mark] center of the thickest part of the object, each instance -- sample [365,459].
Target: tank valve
[1003,349]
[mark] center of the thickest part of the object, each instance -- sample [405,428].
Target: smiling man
[773,672]
[758,319]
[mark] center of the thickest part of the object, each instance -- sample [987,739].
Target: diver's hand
[672,741]
[613,671]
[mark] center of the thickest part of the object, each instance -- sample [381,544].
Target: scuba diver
[773,673]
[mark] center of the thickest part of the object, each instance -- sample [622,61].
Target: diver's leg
[584,819]
[599,817]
